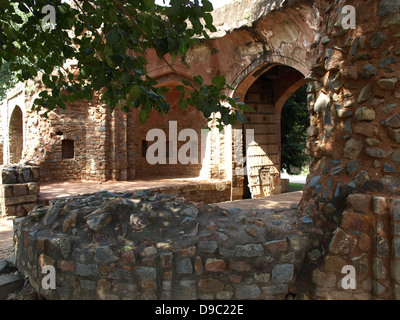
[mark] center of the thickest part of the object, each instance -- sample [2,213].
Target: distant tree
[294,124]
[8,78]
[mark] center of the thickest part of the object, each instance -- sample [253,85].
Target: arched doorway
[267,96]
[15,135]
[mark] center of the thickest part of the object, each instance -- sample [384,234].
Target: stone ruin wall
[153,246]
[353,189]
[19,187]
[352,193]
[107,146]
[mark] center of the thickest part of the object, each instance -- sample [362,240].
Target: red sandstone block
[235,279]
[239,266]
[66,265]
[275,246]
[359,202]
[166,260]
[187,252]
[210,285]
[44,260]
[20,190]
[198,265]
[215,265]
[355,222]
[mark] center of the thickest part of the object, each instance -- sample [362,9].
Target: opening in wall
[67,149]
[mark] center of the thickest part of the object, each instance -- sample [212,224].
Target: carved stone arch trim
[171,79]
[243,81]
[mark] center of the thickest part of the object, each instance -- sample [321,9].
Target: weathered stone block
[395,209]
[321,103]
[365,129]
[210,285]
[360,202]
[355,222]
[379,205]
[215,265]
[391,183]
[184,267]
[365,94]
[239,266]
[282,273]
[247,291]
[249,250]
[86,269]
[9,283]
[387,84]
[276,245]
[342,243]
[334,264]
[19,200]
[275,289]
[186,290]
[352,149]
[207,246]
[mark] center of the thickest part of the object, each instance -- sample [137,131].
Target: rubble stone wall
[19,186]
[154,246]
[354,181]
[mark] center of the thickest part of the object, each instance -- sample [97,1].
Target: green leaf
[207,6]
[208,18]
[185,82]
[4,4]
[149,3]
[245,107]
[113,36]
[135,92]
[26,75]
[180,88]
[198,79]
[219,82]
[240,116]
[143,116]
[128,248]
[63,9]
[183,104]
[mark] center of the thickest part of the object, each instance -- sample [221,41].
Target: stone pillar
[354,143]
[19,187]
[118,148]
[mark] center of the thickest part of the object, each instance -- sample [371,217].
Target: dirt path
[6,237]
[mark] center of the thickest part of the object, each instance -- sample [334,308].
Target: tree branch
[148,39]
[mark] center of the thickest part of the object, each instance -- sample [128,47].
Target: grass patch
[295,187]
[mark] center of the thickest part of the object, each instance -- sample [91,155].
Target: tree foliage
[108,41]
[7,80]
[294,124]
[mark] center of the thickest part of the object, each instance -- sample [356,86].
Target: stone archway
[267,96]
[265,86]
[16,135]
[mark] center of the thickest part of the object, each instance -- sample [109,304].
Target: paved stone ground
[64,189]
[279,201]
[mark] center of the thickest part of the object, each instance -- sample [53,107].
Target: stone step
[8,284]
